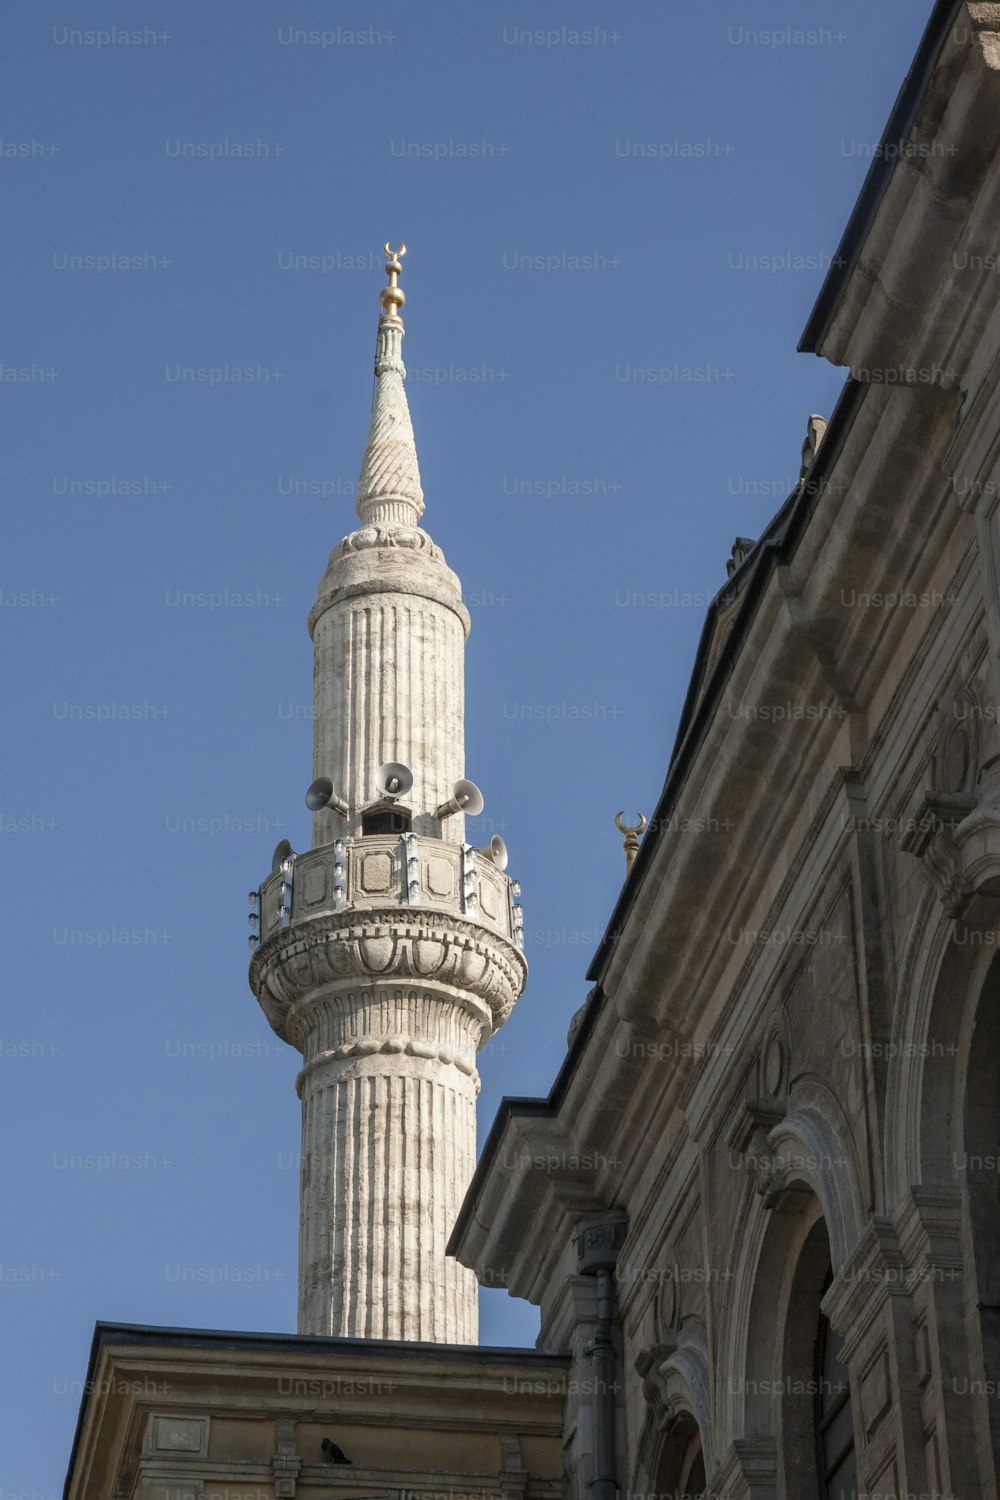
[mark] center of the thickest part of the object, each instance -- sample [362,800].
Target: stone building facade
[776,1133]
[190,1414]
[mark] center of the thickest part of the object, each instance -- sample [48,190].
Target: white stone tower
[391,951]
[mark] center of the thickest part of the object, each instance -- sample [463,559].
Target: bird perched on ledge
[332,1453]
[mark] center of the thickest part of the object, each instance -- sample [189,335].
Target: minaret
[390,952]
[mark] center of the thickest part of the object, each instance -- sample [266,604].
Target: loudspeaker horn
[496,850]
[321,794]
[465,798]
[282,852]
[393,779]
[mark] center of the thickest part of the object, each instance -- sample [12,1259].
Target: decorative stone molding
[576,1019]
[875,1271]
[411,537]
[314,959]
[404,569]
[599,1244]
[775,1059]
[648,1363]
[749,1470]
[513,1475]
[750,1137]
[815,433]
[287,1461]
[367,873]
[177,1434]
[675,1382]
[389,1047]
[959,846]
[929,1232]
[984,17]
[742,548]
[956,763]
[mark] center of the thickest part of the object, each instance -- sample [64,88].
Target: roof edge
[799,507]
[879,175]
[110,1335]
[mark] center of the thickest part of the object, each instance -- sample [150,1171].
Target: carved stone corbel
[934,838]
[985,21]
[750,1138]
[648,1364]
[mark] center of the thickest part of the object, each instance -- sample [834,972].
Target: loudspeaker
[496,850]
[393,779]
[321,794]
[465,798]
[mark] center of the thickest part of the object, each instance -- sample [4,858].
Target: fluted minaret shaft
[390,952]
[388,1148]
[389,630]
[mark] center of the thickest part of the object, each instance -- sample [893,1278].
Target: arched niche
[675,1450]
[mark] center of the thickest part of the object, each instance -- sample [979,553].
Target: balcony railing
[375,872]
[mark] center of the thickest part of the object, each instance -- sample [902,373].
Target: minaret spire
[389,489]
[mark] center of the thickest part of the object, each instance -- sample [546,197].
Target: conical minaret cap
[389,488]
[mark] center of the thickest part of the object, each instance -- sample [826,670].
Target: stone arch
[782,1247]
[780,1416]
[943,1108]
[814,1174]
[815,1146]
[672,1451]
[745,1250]
[678,1418]
[942,975]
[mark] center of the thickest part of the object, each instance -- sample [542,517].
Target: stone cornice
[134,1370]
[390,560]
[884,320]
[517,1222]
[880,174]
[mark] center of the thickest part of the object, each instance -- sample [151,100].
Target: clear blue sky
[588,512]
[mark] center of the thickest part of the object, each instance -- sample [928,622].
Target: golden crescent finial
[392,298]
[631,844]
[623,827]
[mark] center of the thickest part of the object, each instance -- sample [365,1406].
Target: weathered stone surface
[170,1414]
[786,1074]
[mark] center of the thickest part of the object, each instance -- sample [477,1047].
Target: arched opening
[816,1421]
[386,817]
[680,1473]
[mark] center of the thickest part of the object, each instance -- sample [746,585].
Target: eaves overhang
[136,1336]
[514,1108]
[880,173]
[776,547]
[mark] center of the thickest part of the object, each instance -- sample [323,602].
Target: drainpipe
[597,1249]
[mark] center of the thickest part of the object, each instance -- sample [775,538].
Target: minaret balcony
[408,872]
